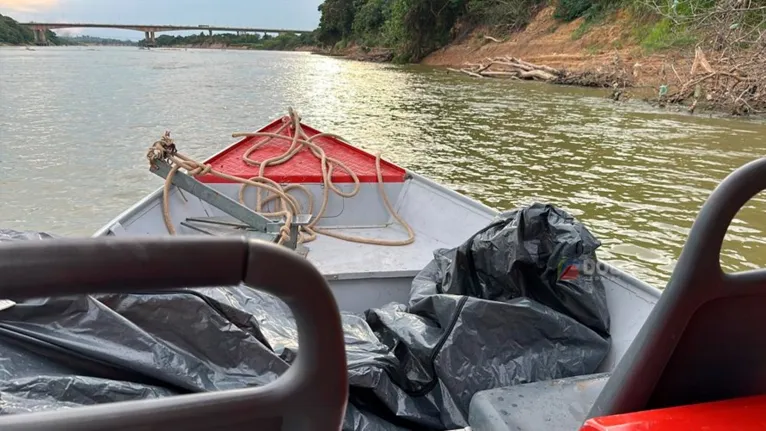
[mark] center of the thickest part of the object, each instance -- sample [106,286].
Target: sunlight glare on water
[75,124]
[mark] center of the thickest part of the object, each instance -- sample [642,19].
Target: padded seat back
[705,338]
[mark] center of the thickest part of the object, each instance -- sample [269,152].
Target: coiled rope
[289,206]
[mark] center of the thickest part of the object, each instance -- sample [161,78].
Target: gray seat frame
[705,339]
[311,395]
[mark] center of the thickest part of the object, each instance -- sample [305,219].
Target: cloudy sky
[292,14]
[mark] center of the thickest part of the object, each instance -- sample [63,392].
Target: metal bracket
[252,220]
[298,221]
[212,196]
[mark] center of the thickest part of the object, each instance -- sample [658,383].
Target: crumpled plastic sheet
[15,235]
[495,311]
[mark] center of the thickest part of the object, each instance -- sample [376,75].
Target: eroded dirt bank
[616,52]
[605,50]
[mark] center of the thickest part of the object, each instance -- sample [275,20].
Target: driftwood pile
[730,75]
[511,67]
[516,68]
[736,84]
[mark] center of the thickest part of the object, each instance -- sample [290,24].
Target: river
[75,124]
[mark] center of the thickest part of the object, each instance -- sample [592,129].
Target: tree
[369,21]
[420,26]
[336,21]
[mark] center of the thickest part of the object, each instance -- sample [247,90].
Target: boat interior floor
[337,258]
[554,405]
[340,259]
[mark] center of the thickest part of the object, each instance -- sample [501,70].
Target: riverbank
[549,42]
[632,53]
[612,53]
[547,45]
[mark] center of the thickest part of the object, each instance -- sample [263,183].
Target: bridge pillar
[211,32]
[149,37]
[40,37]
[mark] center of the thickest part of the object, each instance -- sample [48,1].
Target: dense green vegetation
[413,28]
[93,40]
[283,42]
[12,33]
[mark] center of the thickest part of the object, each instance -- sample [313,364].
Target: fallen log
[548,69]
[510,67]
[466,71]
[514,65]
[471,73]
[537,74]
[501,74]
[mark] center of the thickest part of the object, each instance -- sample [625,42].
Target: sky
[288,14]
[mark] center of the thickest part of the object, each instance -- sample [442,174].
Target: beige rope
[289,206]
[193,168]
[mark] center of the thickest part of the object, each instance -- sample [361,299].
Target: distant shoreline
[307,48]
[352,53]
[230,48]
[377,55]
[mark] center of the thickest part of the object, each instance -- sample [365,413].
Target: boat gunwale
[133,209]
[618,275]
[105,229]
[613,271]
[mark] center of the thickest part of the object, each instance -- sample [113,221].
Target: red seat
[740,414]
[704,340]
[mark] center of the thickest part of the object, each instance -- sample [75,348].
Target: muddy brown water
[75,124]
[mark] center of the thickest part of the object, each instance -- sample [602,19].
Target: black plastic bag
[506,307]
[503,308]
[528,253]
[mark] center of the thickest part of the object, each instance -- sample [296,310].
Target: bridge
[40,28]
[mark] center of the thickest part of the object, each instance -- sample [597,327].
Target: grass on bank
[651,32]
[663,35]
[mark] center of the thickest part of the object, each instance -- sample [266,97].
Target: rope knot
[200,169]
[163,149]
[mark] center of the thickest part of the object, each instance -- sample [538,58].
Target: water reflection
[74,125]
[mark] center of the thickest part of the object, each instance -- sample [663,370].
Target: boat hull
[365,276]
